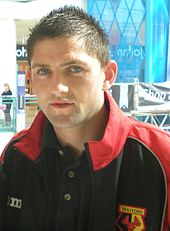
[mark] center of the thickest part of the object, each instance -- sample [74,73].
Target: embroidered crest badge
[131,218]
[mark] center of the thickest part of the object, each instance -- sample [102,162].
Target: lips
[61,104]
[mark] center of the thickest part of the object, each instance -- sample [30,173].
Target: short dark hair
[71,21]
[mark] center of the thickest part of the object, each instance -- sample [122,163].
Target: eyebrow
[72,62]
[62,65]
[39,65]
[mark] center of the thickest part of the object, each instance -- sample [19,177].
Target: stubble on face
[84,89]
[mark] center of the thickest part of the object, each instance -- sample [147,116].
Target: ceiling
[27,12]
[18,0]
[22,25]
[22,30]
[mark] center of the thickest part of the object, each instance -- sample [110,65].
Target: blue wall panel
[137,31]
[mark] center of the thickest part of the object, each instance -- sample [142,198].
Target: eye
[75,69]
[43,71]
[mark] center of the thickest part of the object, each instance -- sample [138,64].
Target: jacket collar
[102,152]
[29,140]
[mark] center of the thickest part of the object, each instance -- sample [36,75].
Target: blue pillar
[156,40]
[168,59]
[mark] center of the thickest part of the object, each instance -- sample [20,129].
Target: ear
[110,74]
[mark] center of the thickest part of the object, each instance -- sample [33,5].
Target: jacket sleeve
[2,196]
[168,207]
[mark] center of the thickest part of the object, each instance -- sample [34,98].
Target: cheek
[34,87]
[90,94]
[38,87]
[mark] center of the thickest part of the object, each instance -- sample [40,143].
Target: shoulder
[154,139]
[147,131]
[10,144]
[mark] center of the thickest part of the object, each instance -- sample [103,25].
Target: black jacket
[120,182]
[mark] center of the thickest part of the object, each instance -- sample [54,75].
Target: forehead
[70,43]
[57,46]
[60,49]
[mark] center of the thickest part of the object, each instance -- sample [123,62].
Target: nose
[59,84]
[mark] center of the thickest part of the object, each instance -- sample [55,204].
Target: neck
[76,137]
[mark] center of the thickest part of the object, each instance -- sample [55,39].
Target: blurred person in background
[7,102]
[83,165]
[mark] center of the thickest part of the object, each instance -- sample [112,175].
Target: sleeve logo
[14,202]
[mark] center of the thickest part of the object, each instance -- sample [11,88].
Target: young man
[83,165]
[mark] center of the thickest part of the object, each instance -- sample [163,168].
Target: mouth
[61,104]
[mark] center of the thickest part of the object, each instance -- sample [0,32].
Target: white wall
[7,53]
[35,9]
[4,139]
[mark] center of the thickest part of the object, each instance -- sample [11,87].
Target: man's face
[67,82]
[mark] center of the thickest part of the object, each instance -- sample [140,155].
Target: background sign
[21,52]
[142,95]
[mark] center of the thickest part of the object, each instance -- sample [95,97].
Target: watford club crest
[131,218]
